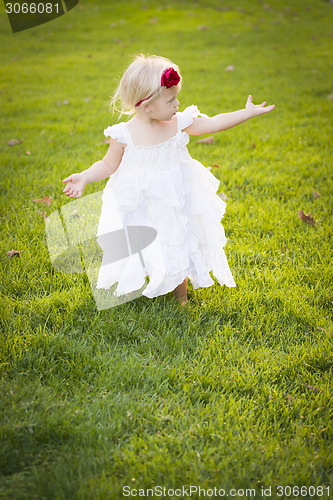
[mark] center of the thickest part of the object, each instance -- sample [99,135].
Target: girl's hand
[258,109]
[76,185]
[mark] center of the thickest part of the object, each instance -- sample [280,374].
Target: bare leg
[180,292]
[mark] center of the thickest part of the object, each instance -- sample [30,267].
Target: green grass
[235,391]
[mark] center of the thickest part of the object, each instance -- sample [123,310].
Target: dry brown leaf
[230,68]
[206,140]
[203,28]
[253,145]
[315,194]
[64,102]
[223,196]
[215,165]
[46,200]
[14,142]
[307,218]
[153,20]
[13,252]
[330,96]
[312,388]
[43,214]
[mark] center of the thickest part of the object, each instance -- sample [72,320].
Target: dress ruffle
[117,132]
[162,187]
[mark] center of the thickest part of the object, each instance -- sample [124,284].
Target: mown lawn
[235,390]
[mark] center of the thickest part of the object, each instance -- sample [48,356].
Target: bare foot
[180,293]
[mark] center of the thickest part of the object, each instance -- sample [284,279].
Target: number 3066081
[300,491]
[32,8]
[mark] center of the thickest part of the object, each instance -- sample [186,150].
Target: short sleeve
[185,118]
[119,132]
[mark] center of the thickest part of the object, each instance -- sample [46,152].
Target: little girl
[154,183]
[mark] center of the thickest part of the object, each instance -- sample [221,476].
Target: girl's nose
[177,103]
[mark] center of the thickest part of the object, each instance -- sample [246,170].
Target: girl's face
[165,106]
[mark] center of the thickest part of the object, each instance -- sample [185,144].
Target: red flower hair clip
[169,78]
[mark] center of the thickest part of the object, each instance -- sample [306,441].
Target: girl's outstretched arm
[224,121]
[98,171]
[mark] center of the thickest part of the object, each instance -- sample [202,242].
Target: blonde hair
[141,80]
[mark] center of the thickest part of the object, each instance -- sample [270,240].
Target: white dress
[163,188]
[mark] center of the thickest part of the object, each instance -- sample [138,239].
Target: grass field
[235,390]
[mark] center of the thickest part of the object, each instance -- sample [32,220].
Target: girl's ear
[145,107]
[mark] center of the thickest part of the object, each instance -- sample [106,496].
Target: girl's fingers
[249,99]
[68,191]
[73,180]
[270,108]
[263,104]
